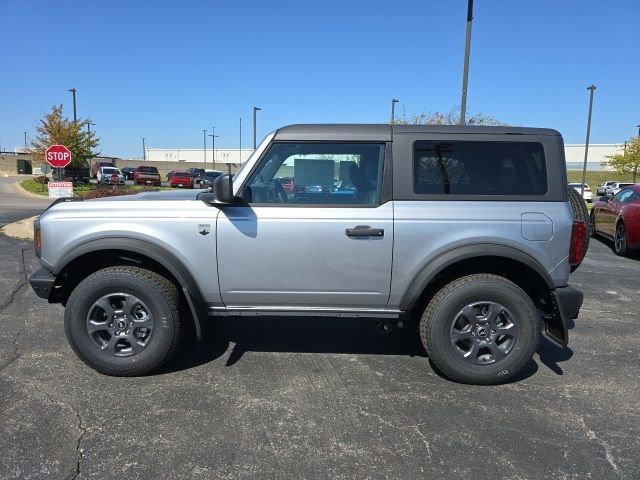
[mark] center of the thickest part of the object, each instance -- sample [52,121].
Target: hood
[161,195]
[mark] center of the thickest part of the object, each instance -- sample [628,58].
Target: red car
[181,179]
[619,219]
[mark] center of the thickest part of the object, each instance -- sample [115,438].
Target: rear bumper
[566,306]
[42,281]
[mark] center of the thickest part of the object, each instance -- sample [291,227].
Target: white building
[574,154]
[198,155]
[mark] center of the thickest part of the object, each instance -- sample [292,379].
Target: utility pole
[144,150]
[240,152]
[73,91]
[204,135]
[25,140]
[591,89]
[89,127]
[465,74]
[213,148]
[638,130]
[393,110]
[255,109]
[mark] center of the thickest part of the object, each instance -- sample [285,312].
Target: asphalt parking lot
[320,398]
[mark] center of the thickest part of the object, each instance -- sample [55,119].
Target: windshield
[108,170]
[242,171]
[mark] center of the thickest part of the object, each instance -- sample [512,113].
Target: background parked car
[587,194]
[181,179]
[169,174]
[615,187]
[196,173]
[207,178]
[105,173]
[128,172]
[95,168]
[145,175]
[619,219]
[602,188]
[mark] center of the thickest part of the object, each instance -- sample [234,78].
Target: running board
[301,312]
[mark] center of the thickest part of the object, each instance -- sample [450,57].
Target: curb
[21,191]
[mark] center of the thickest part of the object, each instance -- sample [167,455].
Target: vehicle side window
[318,174]
[624,196]
[479,168]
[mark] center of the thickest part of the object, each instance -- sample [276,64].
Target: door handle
[364,231]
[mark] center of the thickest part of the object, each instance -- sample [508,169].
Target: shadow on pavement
[289,334]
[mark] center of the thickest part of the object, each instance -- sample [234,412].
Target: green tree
[626,162]
[54,129]
[452,117]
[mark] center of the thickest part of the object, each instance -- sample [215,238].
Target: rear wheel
[620,240]
[480,329]
[123,320]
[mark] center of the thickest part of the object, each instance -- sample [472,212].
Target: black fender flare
[424,277]
[157,253]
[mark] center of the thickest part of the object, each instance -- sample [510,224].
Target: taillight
[576,250]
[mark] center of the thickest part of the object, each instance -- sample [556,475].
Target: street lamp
[638,130]
[591,89]
[240,151]
[255,109]
[89,127]
[465,73]
[393,109]
[25,139]
[204,135]
[144,150]
[73,91]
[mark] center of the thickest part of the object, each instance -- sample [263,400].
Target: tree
[450,118]
[626,162]
[54,129]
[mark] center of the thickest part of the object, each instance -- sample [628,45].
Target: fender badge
[204,228]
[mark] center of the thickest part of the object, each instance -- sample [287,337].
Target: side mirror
[223,189]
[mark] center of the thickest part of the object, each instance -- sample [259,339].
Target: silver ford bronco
[467,230]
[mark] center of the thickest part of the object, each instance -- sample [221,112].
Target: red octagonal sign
[58,156]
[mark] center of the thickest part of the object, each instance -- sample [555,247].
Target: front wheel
[480,329]
[123,320]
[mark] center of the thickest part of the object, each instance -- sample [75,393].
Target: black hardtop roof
[375,131]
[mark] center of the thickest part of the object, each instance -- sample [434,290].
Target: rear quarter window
[479,168]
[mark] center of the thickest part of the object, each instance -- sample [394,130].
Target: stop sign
[58,156]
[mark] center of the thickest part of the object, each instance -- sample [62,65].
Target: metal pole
[213,141]
[255,109]
[465,74]
[204,135]
[240,152]
[73,91]
[89,127]
[25,139]
[144,150]
[393,110]
[638,130]
[586,146]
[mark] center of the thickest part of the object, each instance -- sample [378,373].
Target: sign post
[59,156]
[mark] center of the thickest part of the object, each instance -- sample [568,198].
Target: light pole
[73,91]
[638,130]
[204,136]
[393,109]
[255,109]
[89,127]
[213,148]
[591,89]
[25,139]
[240,151]
[465,73]
[144,150]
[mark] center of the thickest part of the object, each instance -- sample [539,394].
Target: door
[313,233]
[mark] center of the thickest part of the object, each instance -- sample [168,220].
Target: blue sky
[166,70]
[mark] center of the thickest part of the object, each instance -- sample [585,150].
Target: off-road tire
[581,213]
[159,294]
[441,311]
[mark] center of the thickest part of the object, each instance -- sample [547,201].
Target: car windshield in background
[148,169]
[181,174]
[110,170]
[211,174]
